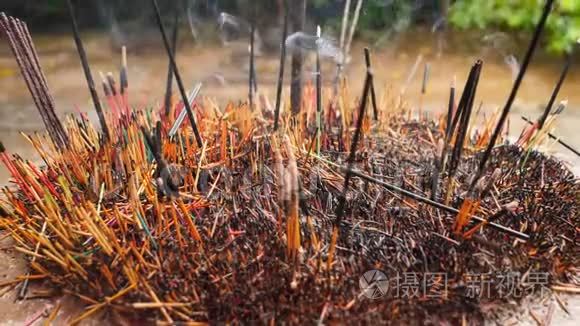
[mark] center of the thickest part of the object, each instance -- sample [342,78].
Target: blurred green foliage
[375,14]
[562,27]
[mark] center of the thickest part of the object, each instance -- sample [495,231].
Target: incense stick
[555,92]
[186,104]
[373,95]
[179,120]
[556,138]
[318,97]
[430,202]
[251,81]
[281,68]
[514,91]
[87,70]
[169,84]
[353,148]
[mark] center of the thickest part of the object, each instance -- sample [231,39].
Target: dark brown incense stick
[556,138]
[26,57]
[430,202]
[464,125]
[555,92]
[450,107]
[373,95]
[353,147]
[514,91]
[281,69]
[169,85]
[452,122]
[186,103]
[87,71]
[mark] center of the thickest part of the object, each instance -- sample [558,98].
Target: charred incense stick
[186,104]
[350,163]
[169,85]
[465,118]
[430,202]
[450,130]
[514,91]
[87,70]
[281,68]
[373,95]
[450,107]
[353,148]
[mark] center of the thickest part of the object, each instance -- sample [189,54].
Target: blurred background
[448,35]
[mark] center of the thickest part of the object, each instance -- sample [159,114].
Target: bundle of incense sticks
[224,220]
[20,42]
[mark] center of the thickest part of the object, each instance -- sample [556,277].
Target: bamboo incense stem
[353,25]
[513,93]
[87,71]
[186,103]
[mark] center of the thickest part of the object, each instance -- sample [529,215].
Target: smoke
[301,41]
[234,28]
[513,65]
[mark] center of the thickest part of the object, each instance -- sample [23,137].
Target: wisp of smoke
[232,28]
[301,41]
[513,64]
[226,20]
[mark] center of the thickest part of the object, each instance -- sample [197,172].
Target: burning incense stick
[169,84]
[354,144]
[281,68]
[373,95]
[424,88]
[514,91]
[251,81]
[186,104]
[528,132]
[555,92]
[87,71]
[318,97]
